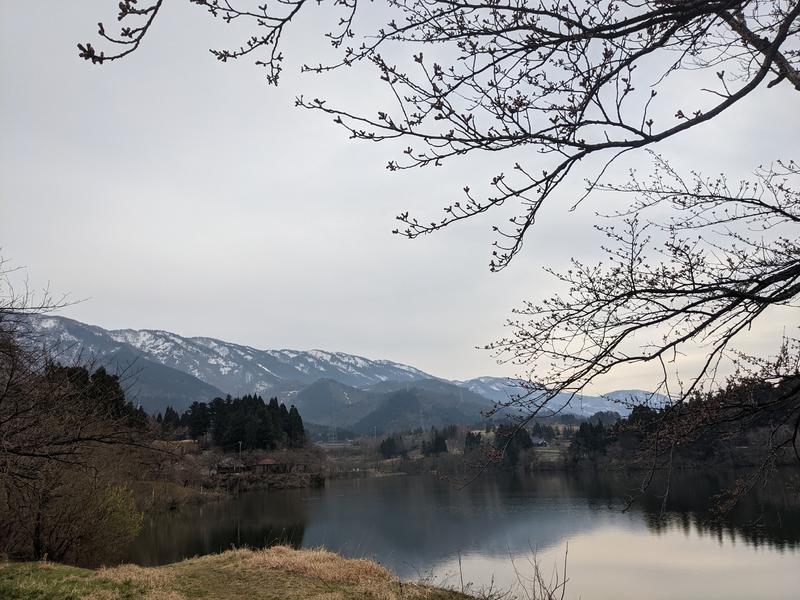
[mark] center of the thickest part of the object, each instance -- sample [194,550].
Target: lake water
[419,527]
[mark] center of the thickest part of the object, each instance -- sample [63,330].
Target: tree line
[248,423]
[735,425]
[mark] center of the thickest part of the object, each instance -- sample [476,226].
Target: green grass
[47,581]
[273,574]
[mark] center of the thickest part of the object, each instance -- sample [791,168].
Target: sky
[170,191]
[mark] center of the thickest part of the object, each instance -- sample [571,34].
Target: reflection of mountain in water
[410,523]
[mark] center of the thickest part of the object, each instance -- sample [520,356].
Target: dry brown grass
[314,563]
[363,576]
[279,573]
[271,574]
[148,577]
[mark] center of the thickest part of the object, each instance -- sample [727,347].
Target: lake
[421,527]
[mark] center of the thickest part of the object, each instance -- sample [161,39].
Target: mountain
[146,382]
[232,368]
[496,389]
[242,369]
[436,386]
[387,406]
[499,389]
[330,403]
[329,388]
[155,386]
[416,407]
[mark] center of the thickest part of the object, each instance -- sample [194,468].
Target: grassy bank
[278,573]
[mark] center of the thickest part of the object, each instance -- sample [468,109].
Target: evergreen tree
[197,419]
[284,419]
[171,419]
[472,442]
[274,410]
[590,441]
[138,419]
[296,432]
[437,444]
[546,432]
[512,441]
[248,420]
[103,392]
[391,447]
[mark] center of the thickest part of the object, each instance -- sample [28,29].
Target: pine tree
[171,419]
[247,420]
[389,447]
[513,441]
[297,433]
[472,442]
[437,445]
[197,419]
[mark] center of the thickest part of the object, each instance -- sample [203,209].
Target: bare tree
[728,253]
[565,79]
[55,414]
[63,433]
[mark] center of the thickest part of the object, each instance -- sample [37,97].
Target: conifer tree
[297,433]
[171,419]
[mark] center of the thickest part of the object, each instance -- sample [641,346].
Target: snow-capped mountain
[499,389]
[232,368]
[167,368]
[496,389]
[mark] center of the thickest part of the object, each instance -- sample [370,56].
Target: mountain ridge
[337,388]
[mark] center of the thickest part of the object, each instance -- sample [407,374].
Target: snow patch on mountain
[233,368]
[237,369]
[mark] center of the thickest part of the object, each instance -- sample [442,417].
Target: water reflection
[253,520]
[768,515]
[418,525]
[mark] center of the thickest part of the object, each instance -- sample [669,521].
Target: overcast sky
[169,191]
